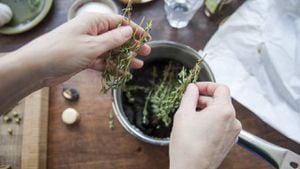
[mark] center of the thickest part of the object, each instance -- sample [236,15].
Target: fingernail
[190,88]
[126,30]
[139,62]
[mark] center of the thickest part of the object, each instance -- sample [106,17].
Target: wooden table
[91,144]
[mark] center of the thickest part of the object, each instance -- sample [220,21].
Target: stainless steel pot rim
[160,43]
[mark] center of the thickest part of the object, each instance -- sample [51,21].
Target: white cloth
[257,54]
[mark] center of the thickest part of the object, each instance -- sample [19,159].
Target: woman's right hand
[202,139]
[76,45]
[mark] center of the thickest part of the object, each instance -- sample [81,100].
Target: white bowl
[80,3]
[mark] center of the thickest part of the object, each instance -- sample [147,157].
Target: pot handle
[277,156]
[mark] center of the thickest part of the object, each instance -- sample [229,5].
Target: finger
[106,22]
[144,50]
[214,90]
[113,39]
[190,98]
[204,101]
[98,65]
[136,63]
[138,30]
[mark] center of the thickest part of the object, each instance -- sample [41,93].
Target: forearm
[19,77]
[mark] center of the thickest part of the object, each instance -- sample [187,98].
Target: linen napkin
[256,52]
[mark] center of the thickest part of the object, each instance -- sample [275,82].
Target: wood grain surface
[90,144]
[26,148]
[35,130]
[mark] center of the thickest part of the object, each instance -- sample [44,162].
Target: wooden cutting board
[26,148]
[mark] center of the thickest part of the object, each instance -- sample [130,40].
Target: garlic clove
[5,14]
[70,116]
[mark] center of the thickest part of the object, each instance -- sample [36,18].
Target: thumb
[113,38]
[190,98]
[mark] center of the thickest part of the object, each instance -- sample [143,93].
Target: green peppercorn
[6,119]
[10,131]
[18,120]
[15,114]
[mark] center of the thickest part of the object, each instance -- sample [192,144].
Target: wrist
[22,65]
[190,160]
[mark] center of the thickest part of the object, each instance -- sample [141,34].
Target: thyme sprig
[117,71]
[167,94]
[184,79]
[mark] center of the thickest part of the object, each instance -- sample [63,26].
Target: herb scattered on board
[117,71]
[111,123]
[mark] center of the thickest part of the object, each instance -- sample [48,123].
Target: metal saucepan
[279,157]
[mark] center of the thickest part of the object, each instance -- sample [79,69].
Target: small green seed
[18,120]
[10,131]
[15,114]
[6,119]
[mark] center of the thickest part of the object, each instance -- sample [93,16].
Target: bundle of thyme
[160,103]
[167,94]
[117,71]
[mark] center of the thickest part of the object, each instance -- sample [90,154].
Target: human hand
[202,139]
[79,44]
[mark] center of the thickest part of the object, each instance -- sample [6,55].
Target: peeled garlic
[5,14]
[70,116]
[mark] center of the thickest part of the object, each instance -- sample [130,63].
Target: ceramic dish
[26,14]
[79,3]
[136,1]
